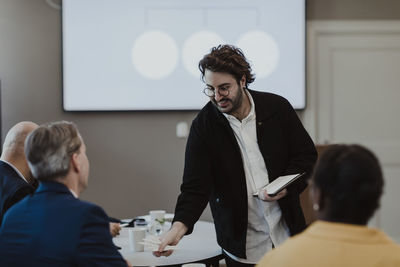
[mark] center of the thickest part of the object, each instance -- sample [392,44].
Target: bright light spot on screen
[261,50]
[196,46]
[155,55]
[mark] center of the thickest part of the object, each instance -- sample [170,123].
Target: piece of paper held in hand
[152,243]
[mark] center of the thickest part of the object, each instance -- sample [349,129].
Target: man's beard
[236,102]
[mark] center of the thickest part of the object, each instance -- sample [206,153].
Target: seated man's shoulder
[90,211]
[64,206]
[14,192]
[12,183]
[91,207]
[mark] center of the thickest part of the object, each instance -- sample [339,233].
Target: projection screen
[143,55]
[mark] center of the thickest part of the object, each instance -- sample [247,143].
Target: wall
[136,159]
[353,9]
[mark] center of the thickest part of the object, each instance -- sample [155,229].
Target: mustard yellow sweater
[325,244]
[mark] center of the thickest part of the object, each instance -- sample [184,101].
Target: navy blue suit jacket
[12,188]
[53,228]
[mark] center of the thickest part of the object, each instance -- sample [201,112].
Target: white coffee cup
[136,236]
[157,215]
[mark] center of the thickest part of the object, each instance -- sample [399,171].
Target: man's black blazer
[214,170]
[12,188]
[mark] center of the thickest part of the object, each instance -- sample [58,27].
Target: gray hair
[49,148]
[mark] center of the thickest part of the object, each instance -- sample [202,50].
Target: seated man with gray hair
[53,227]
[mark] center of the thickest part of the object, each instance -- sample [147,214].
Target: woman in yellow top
[346,188]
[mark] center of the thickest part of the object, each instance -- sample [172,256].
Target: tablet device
[279,184]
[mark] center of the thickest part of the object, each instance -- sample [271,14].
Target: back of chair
[305,200]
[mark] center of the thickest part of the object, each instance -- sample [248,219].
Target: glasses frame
[221,91]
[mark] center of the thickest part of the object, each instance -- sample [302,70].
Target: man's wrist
[179,228]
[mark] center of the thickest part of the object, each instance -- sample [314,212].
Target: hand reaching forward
[172,237]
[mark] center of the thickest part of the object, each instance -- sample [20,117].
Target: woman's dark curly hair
[228,59]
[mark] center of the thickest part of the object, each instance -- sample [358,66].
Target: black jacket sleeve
[196,185]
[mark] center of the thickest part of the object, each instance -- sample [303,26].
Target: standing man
[53,227]
[239,142]
[16,180]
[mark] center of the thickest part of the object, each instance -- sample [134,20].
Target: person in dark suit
[16,180]
[239,142]
[53,227]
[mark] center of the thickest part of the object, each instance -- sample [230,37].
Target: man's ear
[243,81]
[75,163]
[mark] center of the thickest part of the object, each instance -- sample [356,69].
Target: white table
[200,246]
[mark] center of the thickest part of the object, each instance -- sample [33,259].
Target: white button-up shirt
[266,226]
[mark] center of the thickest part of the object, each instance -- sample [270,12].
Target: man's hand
[265,197]
[114,229]
[172,237]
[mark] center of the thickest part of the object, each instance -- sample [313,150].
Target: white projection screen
[132,55]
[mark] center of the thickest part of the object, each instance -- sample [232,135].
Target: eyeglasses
[223,91]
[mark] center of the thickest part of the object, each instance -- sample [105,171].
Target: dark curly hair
[351,183]
[228,59]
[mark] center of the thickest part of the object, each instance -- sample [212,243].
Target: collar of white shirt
[73,193]
[251,114]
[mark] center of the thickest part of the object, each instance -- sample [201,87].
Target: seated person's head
[347,184]
[13,148]
[55,151]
